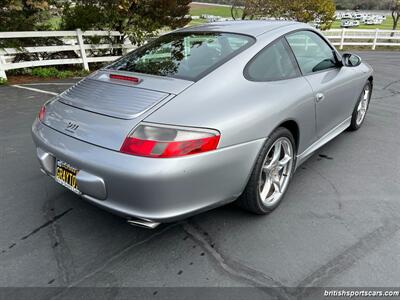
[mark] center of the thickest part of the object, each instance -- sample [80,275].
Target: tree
[299,10]
[19,15]
[395,8]
[363,4]
[25,15]
[256,8]
[310,10]
[135,19]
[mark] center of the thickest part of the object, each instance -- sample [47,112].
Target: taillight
[167,142]
[42,113]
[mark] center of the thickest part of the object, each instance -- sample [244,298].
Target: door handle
[319,97]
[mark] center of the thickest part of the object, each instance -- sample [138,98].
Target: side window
[312,53]
[272,63]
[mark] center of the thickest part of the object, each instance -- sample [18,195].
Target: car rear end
[94,140]
[156,189]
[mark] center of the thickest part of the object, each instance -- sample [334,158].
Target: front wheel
[271,174]
[361,108]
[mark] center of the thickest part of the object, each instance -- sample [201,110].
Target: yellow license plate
[66,176]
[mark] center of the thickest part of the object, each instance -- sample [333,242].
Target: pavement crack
[333,186]
[112,259]
[312,214]
[36,230]
[390,84]
[348,257]
[62,254]
[234,268]
[49,222]
[384,97]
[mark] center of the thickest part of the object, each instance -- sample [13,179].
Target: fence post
[2,71]
[342,39]
[125,43]
[82,49]
[375,39]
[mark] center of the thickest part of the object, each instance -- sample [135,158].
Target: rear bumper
[161,190]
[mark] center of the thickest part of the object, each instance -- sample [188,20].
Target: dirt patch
[25,79]
[199,5]
[20,79]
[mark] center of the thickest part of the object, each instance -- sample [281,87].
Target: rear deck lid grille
[110,99]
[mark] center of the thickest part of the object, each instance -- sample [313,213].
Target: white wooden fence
[363,37]
[74,41]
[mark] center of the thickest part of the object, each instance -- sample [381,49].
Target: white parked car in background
[350,23]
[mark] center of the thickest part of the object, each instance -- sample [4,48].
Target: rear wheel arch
[294,129]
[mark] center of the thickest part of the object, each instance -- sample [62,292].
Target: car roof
[249,27]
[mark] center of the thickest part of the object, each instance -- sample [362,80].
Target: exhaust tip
[143,223]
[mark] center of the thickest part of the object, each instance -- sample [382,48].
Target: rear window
[186,55]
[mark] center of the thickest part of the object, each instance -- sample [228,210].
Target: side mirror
[351,60]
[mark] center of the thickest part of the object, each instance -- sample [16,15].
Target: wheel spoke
[359,106]
[287,148]
[365,104]
[266,188]
[285,160]
[277,186]
[267,168]
[277,152]
[366,94]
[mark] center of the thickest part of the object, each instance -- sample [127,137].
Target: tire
[265,173]
[363,105]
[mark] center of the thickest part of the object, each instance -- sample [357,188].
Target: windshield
[187,55]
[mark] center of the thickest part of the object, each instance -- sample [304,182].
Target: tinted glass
[183,55]
[272,63]
[312,52]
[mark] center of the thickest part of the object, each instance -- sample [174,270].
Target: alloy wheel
[363,106]
[276,171]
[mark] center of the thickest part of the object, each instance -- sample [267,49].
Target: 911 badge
[71,127]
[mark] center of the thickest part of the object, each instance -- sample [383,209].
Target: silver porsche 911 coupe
[201,117]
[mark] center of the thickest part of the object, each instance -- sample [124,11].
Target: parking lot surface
[339,224]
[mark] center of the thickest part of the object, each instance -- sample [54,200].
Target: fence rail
[75,41]
[363,37]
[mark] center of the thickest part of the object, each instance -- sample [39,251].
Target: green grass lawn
[222,11]
[197,22]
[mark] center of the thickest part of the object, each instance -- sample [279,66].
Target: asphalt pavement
[338,226]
